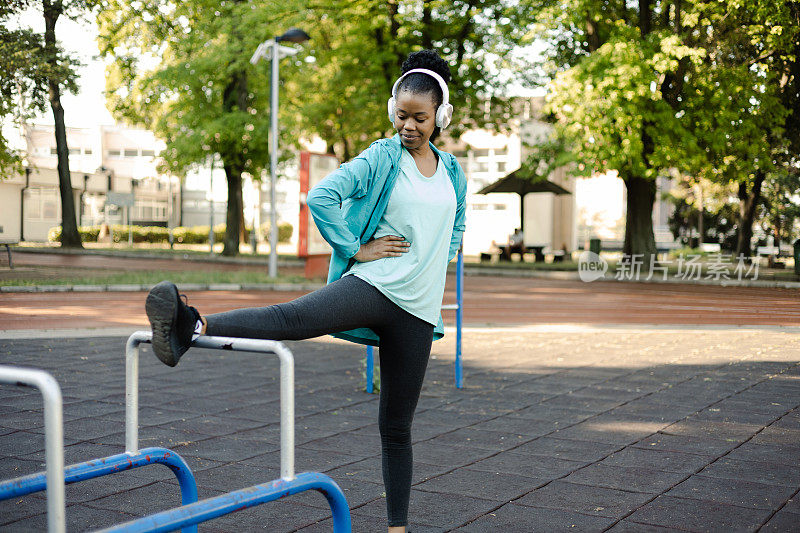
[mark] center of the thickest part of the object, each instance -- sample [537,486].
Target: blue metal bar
[110,465]
[370,368]
[223,504]
[459,314]
[458,307]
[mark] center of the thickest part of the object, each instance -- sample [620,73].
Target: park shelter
[516,182]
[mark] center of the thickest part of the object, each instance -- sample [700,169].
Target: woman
[394,217]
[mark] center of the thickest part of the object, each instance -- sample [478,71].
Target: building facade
[103,160]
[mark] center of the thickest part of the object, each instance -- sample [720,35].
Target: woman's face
[414,118]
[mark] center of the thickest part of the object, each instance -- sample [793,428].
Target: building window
[148,153]
[113,153]
[481,166]
[87,151]
[74,151]
[53,151]
[149,210]
[33,204]
[131,153]
[501,166]
[480,152]
[42,204]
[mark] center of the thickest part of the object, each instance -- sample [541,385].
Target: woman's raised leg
[339,306]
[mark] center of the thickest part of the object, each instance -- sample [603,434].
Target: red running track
[487,301]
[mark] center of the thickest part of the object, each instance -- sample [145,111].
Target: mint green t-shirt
[422,211]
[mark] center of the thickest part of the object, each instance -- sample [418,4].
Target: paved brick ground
[593,430]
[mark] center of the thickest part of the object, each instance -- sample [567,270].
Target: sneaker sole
[162,311]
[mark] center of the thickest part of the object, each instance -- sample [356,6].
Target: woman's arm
[461,215]
[350,180]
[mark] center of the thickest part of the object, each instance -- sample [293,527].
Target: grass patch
[161,250]
[518,265]
[33,276]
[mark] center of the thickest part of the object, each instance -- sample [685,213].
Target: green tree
[742,105]
[182,70]
[659,85]
[359,46]
[34,71]
[779,210]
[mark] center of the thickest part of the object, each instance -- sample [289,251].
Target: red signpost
[311,245]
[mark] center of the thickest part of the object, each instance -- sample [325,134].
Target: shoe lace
[195,312]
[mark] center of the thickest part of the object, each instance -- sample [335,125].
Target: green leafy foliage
[705,88]
[182,70]
[159,234]
[26,66]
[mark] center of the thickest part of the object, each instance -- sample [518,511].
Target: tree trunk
[234,210]
[70,237]
[427,25]
[748,200]
[592,34]
[234,98]
[639,236]
[645,17]
[701,230]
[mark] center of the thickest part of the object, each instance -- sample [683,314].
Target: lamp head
[293,35]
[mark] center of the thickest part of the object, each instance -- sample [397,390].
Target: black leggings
[405,345]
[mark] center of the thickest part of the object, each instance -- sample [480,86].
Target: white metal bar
[132,389]
[220,343]
[53,436]
[273,161]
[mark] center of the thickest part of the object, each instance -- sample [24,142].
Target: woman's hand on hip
[388,246]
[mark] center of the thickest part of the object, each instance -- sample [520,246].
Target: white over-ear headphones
[444,113]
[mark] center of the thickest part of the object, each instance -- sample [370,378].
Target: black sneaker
[173,322]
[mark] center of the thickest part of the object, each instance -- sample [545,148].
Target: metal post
[130,230]
[459,314]
[132,390]
[113,464]
[170,209]
[216,343]
[53,437]
[273,156]
[231,502]
[211,207]
[370,369]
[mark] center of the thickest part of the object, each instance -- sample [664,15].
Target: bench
[7,243]
[505,252]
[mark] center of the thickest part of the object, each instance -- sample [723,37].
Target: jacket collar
[396,148]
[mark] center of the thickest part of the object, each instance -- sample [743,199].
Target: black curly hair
[420,83]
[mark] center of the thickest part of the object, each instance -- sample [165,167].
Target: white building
[102,159]
[116,159]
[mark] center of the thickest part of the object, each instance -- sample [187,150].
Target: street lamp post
[277,51]
[211,205]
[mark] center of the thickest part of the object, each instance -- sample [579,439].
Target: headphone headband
[442,84]
[444,113]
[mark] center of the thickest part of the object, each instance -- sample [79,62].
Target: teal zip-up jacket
[348,204]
